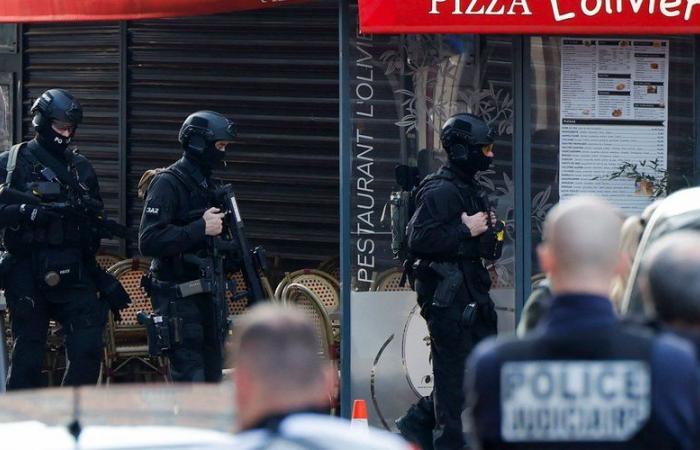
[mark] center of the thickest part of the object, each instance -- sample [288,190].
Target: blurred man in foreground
[283,388]
[581,379]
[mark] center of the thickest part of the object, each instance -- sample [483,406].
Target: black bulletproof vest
[67,231]
[629,344]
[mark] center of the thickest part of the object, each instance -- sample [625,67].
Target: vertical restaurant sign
[614,119]
[530,16]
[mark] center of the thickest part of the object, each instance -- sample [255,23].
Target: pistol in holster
[450,281]
[163,332]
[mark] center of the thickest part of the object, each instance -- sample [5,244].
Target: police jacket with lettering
[20,237]
[436,232]
[583,380]
[172,223]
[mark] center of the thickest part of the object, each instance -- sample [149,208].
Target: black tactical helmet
[463,136]
[203,128]
[466,129]
[55,105]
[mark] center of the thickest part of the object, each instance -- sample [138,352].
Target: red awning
[16,11]
[530,16]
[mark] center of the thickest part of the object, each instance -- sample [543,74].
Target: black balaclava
[55,105]
[207,159]
[475,160]
[53,142]
[199,134]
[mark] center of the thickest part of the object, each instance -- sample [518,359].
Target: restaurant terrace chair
[237,307]
[126,341]
[389,280]
[107,260]
[307,301]
[331,266]
[324,286]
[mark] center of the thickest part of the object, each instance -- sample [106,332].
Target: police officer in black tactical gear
[49,268]
[449,235]
[169,232]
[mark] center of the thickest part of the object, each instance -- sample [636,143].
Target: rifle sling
[62,173]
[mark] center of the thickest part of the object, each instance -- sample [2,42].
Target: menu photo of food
[617,112]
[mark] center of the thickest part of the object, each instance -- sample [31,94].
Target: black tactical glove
[35,214]
[112,291]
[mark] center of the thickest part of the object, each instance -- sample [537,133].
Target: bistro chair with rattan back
[331,266]
[306,300]
[238,306]
[127,340]
[107,260]
[324,286]
[389,281]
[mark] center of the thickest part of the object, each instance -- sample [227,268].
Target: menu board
[614,114]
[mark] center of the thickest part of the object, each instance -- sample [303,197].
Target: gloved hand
[35,214]
[112,291]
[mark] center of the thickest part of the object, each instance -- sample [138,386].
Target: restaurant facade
[590,96]
[594,96]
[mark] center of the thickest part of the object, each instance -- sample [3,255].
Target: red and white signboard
[530,16]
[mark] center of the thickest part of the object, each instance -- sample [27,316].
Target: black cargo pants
[451,342]
[199,355]
[77,309]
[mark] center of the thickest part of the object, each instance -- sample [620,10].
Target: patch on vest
[546,401]
[151,211]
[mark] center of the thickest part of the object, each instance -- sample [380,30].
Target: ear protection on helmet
[455,143]
[195,138]
[40,106]
[458,151]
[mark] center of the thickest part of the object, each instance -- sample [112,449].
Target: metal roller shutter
[276,73]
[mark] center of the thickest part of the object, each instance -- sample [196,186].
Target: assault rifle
[83,208]
[213,281]
[253,262]
[232,245]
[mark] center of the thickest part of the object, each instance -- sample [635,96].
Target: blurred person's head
[630,234]
[670,279]
[277,368]
[580,247]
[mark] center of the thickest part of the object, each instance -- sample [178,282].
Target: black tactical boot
[415,432]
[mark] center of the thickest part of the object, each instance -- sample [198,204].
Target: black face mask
[480,161]
[206,159]
[54,142]
[474,162]
[213,156]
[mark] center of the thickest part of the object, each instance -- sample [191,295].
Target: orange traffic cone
[359,415]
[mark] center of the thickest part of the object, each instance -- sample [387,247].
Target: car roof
[680,210]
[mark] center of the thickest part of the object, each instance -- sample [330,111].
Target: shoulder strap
[183,178]
[63,175]
[447,176]
[12,162]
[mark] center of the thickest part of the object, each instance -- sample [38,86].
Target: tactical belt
[182,290]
